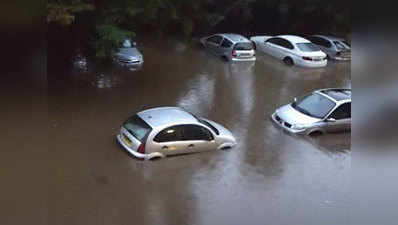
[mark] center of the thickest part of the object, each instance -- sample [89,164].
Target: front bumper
[283,125]
[136,154]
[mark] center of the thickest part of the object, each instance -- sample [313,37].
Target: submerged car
[159,132]
[335,48]
[325,110]
[292,50]
[129,55]
[231,47]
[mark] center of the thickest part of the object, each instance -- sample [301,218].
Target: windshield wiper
[304,111]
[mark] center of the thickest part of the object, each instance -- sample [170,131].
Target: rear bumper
[281,124]
[312,64]
[136,154]
[251,59]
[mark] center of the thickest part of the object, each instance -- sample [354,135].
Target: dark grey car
[231,47]
[129,55]
[336,48]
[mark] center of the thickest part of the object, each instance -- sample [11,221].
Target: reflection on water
[199,95]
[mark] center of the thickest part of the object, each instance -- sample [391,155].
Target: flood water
[270,177]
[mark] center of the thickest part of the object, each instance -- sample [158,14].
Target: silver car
[231,47]
[129,55]
[159,132]
[325,110]
[335,48]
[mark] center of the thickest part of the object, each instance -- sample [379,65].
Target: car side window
[226,43]
[320,41]
[216,39]
[273,41]
[314,40]
[195,132]
[169,134]
[286,44]
[342,112]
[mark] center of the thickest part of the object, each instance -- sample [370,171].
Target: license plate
[126,140]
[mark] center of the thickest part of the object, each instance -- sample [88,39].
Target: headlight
[299,126]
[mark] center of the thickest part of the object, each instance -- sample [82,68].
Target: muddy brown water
[78,174]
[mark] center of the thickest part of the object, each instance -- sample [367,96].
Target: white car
[293,50]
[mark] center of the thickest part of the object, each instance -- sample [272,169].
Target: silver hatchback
[159,132]
[325,110]
[231,47]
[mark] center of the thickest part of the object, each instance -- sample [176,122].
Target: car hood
[288,114]
[129,52]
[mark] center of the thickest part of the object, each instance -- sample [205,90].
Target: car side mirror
[331,120]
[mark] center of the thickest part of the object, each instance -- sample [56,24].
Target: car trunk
[134,132]
[315,56]
[243,50]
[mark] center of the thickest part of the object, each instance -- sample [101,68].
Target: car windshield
[243,46]
[340,45]
[346,43]
[137,127]
[204,122]
[308,47]
[314,105]
[127,44]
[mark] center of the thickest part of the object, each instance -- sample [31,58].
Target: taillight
[307,58]
[141,148]
[254,45]
[234,53]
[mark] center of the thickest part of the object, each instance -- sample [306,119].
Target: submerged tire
[288,61]
[315,133]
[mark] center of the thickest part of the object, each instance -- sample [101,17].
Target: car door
[213,43]
[270,46]
[169,141]
[339,119]
[198,138]
[225,47]
[285,48]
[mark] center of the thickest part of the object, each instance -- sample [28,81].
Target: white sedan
[293,50]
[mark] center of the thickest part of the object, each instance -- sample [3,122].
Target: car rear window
[308,47]
[137,127]
[242,46]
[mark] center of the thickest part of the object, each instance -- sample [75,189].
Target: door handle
[191,145]
[165,147]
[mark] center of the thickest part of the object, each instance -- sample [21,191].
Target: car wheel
[225,58]
[315,133]
[226,148]
[155,158]
[288,61]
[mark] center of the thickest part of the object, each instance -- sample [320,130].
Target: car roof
[157,117]
[294,39]
[235,37]
[337,94]
[328,37]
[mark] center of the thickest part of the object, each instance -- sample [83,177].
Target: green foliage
[108,39]
[63,12]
